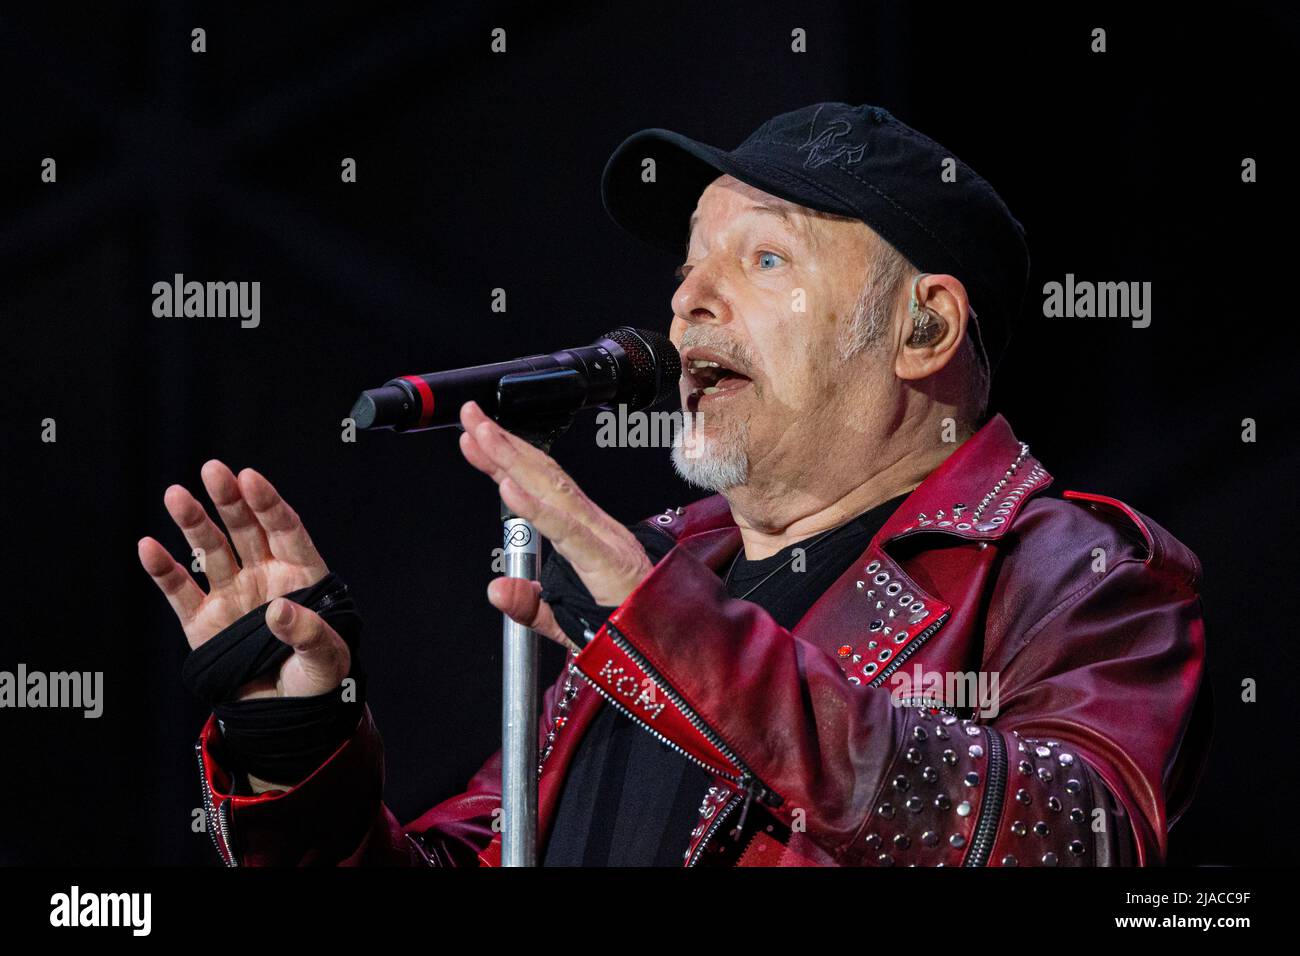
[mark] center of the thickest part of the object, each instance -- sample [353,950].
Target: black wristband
[247,649]
[283,739]
[279,739]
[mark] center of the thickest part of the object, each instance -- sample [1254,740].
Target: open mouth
[709,378]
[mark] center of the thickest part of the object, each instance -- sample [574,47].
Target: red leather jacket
[1086,611]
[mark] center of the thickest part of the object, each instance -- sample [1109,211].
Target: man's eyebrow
[778,211]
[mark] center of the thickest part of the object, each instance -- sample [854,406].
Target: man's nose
[700,298]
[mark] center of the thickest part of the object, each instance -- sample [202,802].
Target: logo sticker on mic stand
[518,535]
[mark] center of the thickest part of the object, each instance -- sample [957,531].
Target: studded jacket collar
[847,740]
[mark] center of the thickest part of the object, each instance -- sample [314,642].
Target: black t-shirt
[630,800]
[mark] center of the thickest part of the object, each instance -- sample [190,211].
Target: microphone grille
[656,366]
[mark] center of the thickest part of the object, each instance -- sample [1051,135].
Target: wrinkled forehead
[726,200]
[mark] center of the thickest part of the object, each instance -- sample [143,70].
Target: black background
[478,171]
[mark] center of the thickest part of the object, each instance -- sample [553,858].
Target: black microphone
[627,366]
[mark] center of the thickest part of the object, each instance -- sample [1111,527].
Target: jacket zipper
[747,779]
[213,818]
[714,826]
[658,736]
[908,651]
[739,781]
[995,789]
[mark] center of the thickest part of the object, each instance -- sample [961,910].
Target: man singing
[880,642]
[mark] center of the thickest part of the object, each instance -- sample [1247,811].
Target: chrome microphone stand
[550,399]
[522,550]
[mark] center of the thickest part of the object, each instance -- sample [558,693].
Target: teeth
[710,390]
[704,363]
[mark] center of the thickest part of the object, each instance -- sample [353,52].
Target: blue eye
[768,260]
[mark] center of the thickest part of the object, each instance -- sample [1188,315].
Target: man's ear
[928,339]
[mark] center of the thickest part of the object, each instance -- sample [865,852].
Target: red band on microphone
[426,398]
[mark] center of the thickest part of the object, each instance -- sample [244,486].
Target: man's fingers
[606,555]
[201,532]
[568,534]
[521,600]
[498,453]
[476,456]
[181,591]
[285,534]
[323,656]
[301,628]
[236,515]
[533,485]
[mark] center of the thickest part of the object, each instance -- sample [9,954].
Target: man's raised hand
[275,556]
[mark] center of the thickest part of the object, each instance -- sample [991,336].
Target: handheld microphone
[626,366]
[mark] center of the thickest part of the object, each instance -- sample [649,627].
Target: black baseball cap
[856,161]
